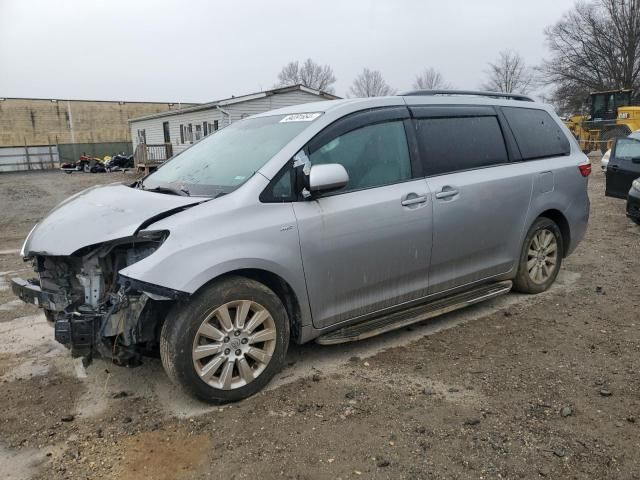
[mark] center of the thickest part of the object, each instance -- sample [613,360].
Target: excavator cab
[604,105]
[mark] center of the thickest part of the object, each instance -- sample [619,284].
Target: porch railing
[152,155]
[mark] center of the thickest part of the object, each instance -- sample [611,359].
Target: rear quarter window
[537,134]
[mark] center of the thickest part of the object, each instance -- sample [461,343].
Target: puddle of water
[20,464]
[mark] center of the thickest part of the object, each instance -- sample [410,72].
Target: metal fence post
[26,152]
[51,157]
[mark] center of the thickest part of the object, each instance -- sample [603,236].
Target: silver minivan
[331,221]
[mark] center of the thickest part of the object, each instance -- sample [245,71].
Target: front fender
[262,237]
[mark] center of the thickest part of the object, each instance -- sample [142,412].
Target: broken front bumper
[76,332]
[30,292]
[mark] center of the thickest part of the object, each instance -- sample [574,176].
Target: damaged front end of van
[78,252]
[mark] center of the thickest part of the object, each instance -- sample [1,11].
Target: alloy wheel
[542,256]
[234,344]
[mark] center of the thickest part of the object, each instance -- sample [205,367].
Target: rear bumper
[31,293]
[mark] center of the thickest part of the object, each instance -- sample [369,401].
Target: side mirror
[327,177]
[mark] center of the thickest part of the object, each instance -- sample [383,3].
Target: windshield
[225,160]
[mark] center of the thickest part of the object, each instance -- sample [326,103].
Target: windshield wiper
[183,192]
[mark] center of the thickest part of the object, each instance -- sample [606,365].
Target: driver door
[366,247]
[623,168]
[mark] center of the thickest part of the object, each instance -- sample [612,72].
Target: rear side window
[460,143]
[537,134]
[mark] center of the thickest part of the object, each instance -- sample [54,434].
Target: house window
[215,125]
[165,130]
[142,136]
[182,134]
[190,133]
[198,132]
[205,129]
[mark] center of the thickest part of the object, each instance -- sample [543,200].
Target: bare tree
[370,84]
[595,46]
[309,74]
[509,74]
[431,79]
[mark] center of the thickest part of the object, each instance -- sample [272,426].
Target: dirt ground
[544,386]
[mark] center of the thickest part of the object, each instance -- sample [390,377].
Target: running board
[393,321]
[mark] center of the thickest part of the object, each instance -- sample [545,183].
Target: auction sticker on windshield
[301,117]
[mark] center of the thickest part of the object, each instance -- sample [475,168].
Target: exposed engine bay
[94,309]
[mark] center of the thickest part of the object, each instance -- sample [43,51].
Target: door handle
[447,192]
[414,200]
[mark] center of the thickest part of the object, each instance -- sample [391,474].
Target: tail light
[585,169]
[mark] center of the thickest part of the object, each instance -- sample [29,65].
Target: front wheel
[227,342]
[540,258]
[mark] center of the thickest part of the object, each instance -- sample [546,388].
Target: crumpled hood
[97,215]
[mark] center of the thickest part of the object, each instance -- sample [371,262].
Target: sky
[199,51]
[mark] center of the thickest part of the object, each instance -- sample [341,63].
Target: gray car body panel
[97,215]
[234,232]
[336,255]
[345,240]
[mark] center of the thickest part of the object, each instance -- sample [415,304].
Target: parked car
[604,162]
[633,202]
[330,221]
[623,172]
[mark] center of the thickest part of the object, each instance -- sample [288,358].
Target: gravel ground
[543,386]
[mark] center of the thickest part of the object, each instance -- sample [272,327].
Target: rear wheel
[635,220]
[540,258]
[227,342]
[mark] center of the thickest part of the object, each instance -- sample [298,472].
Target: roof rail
[433,93]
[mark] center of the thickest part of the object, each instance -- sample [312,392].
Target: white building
[183,127]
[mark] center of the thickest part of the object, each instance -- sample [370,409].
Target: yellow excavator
[611,116]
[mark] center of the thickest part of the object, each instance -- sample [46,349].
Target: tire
[635,220]
[539,276]
[612,134]
[196,349]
